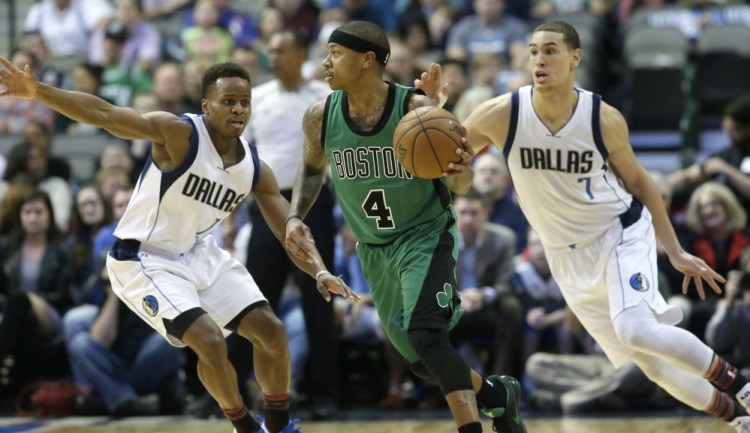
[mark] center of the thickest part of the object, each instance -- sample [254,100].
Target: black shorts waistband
[125,249]
[633,214]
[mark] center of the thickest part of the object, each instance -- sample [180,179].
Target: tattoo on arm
[310,174]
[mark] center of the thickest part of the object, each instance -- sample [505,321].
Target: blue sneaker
[507,419]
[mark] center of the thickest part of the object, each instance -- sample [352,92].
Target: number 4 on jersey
[376,207]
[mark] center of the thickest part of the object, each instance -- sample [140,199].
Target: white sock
[744,396]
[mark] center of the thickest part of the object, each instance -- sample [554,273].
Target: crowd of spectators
[56,225]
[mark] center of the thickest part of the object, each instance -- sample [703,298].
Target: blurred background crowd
[678,70]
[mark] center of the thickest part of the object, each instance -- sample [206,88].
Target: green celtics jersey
[380,199]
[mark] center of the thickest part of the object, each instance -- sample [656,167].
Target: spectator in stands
[301,15]
[484,69]
[116,156]
[35,284]
[415,33]
[728,331]
[207,41]
[140,150]
[110,180]
[401,64]
[492,180]
[15,114]
[120,81]
[192,76]
[11,195]
[29,163]
[91,214]
[156,9]
[66,25]
[241,27]
[545,327]
[251,60]
[718,230]
[730,166]
[143,42]
[38,134]
[87,78]
[492,313]
[33,43]
[440,22]
[456,75]
[276,105]
[122,361]
[380,12]
[168,88]
[489,30]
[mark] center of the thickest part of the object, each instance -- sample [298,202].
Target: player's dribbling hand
[17,83]
[299,240]
[328,283]
[695,269]
[431,83]
[466,153]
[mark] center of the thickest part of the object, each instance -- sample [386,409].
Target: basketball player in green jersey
[405,226]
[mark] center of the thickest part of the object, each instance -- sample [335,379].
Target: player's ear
[204,106]
[368,60]
[576,57]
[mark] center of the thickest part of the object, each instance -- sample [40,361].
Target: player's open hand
[695,269]
[299,240]
[17,83]
[328,283]
[431,83]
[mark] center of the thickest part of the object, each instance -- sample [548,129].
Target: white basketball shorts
[615,272]
[157,286]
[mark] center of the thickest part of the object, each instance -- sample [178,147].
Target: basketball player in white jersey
[164,265]
[599,214]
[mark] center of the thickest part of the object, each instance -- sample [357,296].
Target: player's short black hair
[570,35]
[368,31]
[222,70]
[739,110]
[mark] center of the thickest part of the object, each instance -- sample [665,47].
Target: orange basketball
[426,140]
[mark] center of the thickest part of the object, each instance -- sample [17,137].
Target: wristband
[293,216]
[320,273]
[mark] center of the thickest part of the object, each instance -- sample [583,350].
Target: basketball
[426,140]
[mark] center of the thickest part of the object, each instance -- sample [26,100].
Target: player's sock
[276,408]
[492,395]
[724,407]
[725,376]
[472,427]
[241,420]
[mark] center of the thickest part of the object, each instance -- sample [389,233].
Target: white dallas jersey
[171,210]
[563,182]
[274,127]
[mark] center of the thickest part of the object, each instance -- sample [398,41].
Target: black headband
[358,44]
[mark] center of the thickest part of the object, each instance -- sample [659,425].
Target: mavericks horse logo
[151,305]
[639,282]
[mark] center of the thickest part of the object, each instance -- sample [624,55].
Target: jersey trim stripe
[169,177]
[514,104]
[256,163]
[596,129]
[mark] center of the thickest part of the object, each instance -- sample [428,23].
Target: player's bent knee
[637,330]
[421,372]
[263,328]
[440,359]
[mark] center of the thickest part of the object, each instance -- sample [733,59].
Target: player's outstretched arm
[637,181]
[85,108]
[275,208]
[488,123]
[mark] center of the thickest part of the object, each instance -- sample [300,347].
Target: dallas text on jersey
[209,192]
[366,162]
[556,160]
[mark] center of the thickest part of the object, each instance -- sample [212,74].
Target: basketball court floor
[628,423]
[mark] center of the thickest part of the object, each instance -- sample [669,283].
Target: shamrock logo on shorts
[444,297]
